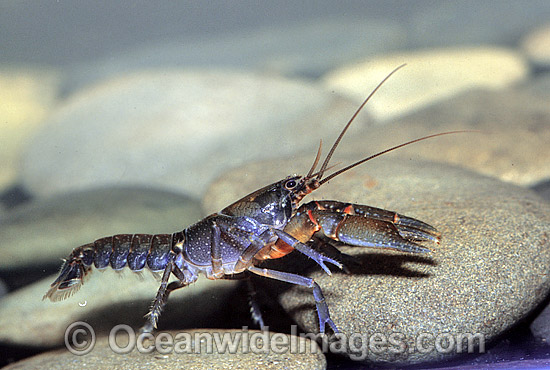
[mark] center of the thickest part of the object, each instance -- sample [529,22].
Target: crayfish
[266,224]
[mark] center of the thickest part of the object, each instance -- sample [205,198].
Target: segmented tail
[135,251]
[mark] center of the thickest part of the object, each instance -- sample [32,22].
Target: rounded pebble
[429,76]
[170,129]
[537,46]
[487,274]
[42,232]
[27,96]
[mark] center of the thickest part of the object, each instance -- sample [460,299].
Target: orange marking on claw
[395,218]
[349,210]
[335,233]
[311,218]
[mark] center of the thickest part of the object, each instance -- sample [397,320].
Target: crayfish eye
[290,184]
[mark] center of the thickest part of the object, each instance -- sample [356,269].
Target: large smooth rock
[27,96]
[171,129]
[430,76]
[193,349]
[105,300]
[513,145]
[42,232]
[489,272]
[537,46]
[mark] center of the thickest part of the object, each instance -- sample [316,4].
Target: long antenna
[329,155]
[333,175]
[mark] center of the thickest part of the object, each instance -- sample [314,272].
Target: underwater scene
[298,185]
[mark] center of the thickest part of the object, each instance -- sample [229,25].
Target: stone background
[144,116]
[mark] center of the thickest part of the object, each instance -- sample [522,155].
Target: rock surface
[488,273]
[171,129]
[543,190]
[105,300]
[429,76]
[537,46]
[513,145]
[45,231]
[27,95]
[193,354]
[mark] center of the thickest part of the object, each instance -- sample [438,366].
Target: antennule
[316,161]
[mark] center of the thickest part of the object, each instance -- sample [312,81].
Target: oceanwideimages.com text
[80,339]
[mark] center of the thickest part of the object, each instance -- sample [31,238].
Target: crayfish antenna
[339,138]
[333,175]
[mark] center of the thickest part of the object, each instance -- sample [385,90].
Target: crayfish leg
[302,248]
[322,307]
[327,247]
[255,311]
[164,292]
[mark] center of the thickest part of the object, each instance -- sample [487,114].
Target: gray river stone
[173,129]
[489,272]
[536,46]
[28,94]
[430,76]
[46,230]
[191,350]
